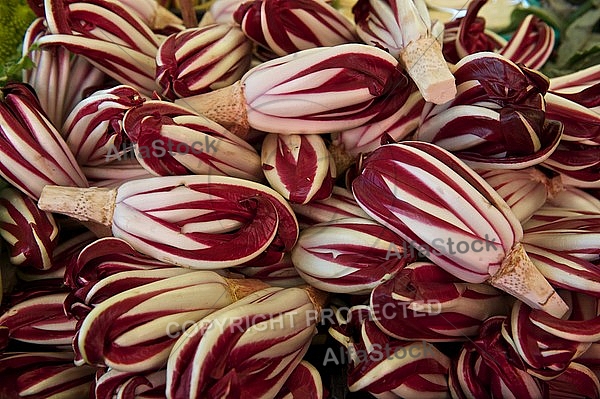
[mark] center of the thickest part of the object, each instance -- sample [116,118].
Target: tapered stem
[188,13]
[226,106]
[318,298]
[99,230]
[164,18]
[85,204]
[240,288]
[341,158]
[519,277]
[424,62]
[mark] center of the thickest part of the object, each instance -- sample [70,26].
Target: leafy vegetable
[578,34]
[15,17]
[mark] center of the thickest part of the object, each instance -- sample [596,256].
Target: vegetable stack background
[298,199]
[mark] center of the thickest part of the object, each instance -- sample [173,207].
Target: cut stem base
[425,63]
[342,159]
[226,106]
[519,277]
[86,204]
[242,287]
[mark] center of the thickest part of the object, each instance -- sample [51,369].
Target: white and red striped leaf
[285,27]
[299,167]
[423,302]
[433,200]
[249,348]
[205,221]
[38,375]
[198,60]
[34,153]
[350,255]
[151,316]
[30,233]
[171,140]
[94,129]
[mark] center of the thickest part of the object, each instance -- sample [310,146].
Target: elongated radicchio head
[198,60]
[57,65]
[299,167]
[195,221]
[386,367]
[30,233]
[436,202]
[33,152]
[240,220]
[285,26]
[170,140]
[424,193]
[319,90]
[108,34]
[424,302]
[313,91]
[94,129]
[350,255]
[43,375]
[219,355]
[151,316]
[497,119]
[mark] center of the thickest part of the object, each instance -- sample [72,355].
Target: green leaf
[580,60]
[12,70]
[545,14]
[585,58]
[575,37]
